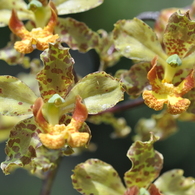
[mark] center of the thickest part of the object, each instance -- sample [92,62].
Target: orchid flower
[56,119]
[169,69]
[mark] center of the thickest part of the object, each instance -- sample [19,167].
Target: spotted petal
[134,80]
[162,125]
[75,6]
[97,177]
[99,91]
[76,34]
[173,182]
[179,35]
[56,76]
[22,144]
[146,164]
[137,41]
[16,98]
[7,6]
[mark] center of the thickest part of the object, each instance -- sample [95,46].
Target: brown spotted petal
[173,182]
[37,38]
[146,164]
[76,34]
[97,177]
[134,80]
[56,77]
[179,35]
[22,144]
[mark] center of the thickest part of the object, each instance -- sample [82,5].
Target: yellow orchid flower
[38,38]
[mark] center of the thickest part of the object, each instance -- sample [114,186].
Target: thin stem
[124,106]
[49,179]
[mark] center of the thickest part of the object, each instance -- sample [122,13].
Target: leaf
[179,43]
[135,79]
[56,77]
[136,40]
[174,183]
[21,146]
[162,125]
[146,164]
[97,177]
[76,34]
[75,6]
[16,97]
[99,91]
[6,8]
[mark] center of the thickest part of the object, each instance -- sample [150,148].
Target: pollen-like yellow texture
[37,38]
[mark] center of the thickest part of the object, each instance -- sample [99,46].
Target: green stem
[49,179]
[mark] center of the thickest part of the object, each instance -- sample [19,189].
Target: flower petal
[75,6]
[99,91]
[173,182]
[134,44]
[22,144]
[97,177]
[76,34]
[146,164]
[16,98]
[134,80]
[179,35]
[20,6]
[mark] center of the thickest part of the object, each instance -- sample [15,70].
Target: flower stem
[124,106]
[49,179]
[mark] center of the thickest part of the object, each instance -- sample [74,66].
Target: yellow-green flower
[171,75]
[38,38]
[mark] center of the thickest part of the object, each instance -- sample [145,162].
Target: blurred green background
[178,150]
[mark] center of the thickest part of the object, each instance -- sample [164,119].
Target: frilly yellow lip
[166,93]
[56,136]
[37,38]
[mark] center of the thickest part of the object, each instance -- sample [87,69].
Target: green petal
[76,34]
[45,160]
[174,183]
[146,164]
[135,79]
[162,125]
[106,50]
[121,129]
[16,97]
[97,177]
[7,123]
[21,146]
[56,76]
[75,6]
[6,8]
[10,55]
[137,41]
[179,35]
[99,91]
